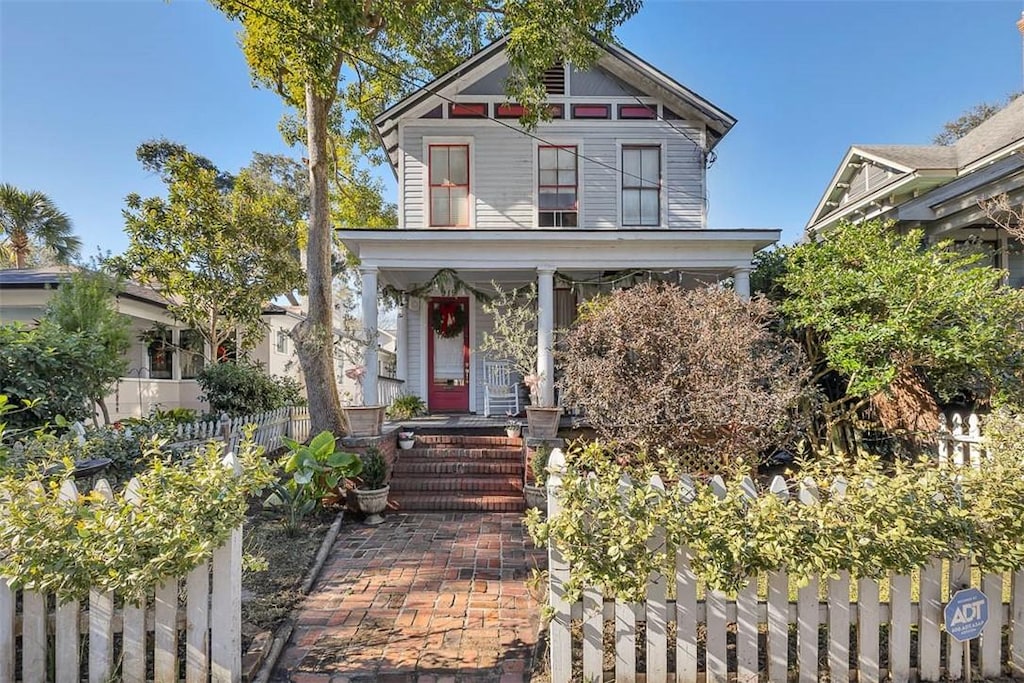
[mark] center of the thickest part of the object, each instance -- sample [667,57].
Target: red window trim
[431,186]
[460,110]
[591,111]
[638,111]
[509,111]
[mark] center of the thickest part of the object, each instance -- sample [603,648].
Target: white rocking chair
[500,390]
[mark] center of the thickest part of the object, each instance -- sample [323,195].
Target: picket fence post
[101,618]
[558,574]
[716,642]
[66,659]
[657,606]
[686,601]
[625,618]
[133,635]
[839,612]
[778,608]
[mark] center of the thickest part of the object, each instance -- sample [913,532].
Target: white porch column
[402,341]
[545,333]
[369,275]
[741,282]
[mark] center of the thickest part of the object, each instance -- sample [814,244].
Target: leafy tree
[218,254]
[30,221]
[969,120]
[895,325]
[697,372]
[340,63]
[86,304]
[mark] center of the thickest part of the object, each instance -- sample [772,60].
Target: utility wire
[422,85]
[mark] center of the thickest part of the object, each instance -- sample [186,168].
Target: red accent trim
[638,111]
[591,111]
[431,187]
[557,111]
[441,397]
[458,110]
[509,111]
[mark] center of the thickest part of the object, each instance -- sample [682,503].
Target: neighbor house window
[160,351]
[282,341]
[449,186]
[193,356]
[641,185]
[557,196]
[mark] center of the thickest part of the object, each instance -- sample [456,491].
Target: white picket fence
[960,441]
[270,427]
[201,610]
[748,637]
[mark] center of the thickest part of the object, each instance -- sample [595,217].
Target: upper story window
[641,185]
[449,186]
[557,187]
[281,344]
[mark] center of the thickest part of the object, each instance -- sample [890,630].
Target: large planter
[364,420]
[536,497]
[543,422]
[373,502]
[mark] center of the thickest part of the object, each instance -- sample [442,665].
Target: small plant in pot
[406,439]
[372,486]
[536,494]
[406,407]
[513,429]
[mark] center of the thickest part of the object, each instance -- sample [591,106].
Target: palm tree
[30,220]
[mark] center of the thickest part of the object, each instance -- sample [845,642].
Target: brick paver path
[431,598]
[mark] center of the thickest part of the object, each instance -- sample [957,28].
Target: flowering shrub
[698,373]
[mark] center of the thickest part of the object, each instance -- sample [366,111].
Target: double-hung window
[449,186]
[557,187]
[641,185]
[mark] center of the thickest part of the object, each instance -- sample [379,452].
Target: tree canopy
[220,252]
[340,63]
[30,222]
[969,120]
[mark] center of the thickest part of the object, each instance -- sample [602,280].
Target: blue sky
[82,83]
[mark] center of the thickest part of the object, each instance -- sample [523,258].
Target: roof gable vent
[554,80]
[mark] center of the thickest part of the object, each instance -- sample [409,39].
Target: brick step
[510,485]
[468,441]
[445,467]
[461,453]
[458,501]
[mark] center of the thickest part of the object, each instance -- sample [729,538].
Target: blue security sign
[966,614]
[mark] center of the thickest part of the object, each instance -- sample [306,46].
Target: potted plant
[513,429]
[406,407]
[362,419]
[406,440]
[372,486]
[514,314]
[536,494]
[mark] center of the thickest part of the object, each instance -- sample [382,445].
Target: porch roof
[522,250]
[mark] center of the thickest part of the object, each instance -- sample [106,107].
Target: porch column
[369,275]
[741,282]
[545,333]
[402,342]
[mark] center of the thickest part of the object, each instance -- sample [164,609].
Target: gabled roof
[615,59]
[920,168]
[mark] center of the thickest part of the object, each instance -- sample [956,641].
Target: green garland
[455,327]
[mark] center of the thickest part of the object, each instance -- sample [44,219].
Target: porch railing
[388,389]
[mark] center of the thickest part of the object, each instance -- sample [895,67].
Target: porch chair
[500,389]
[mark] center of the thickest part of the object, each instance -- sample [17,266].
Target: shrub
[375,470]
[696,372]
[48,367]
[406,407]
[244,388]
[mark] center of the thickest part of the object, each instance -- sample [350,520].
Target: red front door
[448,355]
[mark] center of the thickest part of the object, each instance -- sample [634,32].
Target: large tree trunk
[314,336]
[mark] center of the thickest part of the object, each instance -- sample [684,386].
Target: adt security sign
[966,614]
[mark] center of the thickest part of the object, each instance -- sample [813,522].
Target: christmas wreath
[448,319]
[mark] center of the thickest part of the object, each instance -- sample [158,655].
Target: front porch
[567,267]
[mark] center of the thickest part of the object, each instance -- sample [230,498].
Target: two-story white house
[611,189]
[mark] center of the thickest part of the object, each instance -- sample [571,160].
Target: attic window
[467,111]
[591,111]
[554,80]
[638,111]
[508,111]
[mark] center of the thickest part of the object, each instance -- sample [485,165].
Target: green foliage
[181,514]
[406,407]
[514,339]
[48,371]
[29,223]
[244,388]
[857,515]
[218,253]
[375,470]
[539,465]
[880,304]
[86,304]
[319,465]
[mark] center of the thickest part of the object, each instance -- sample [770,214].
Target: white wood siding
[416,352]
[505,169]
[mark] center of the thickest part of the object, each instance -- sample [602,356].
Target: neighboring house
[165,356]
[936,188]
[612,190]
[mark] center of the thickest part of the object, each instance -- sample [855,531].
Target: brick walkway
[431,598]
